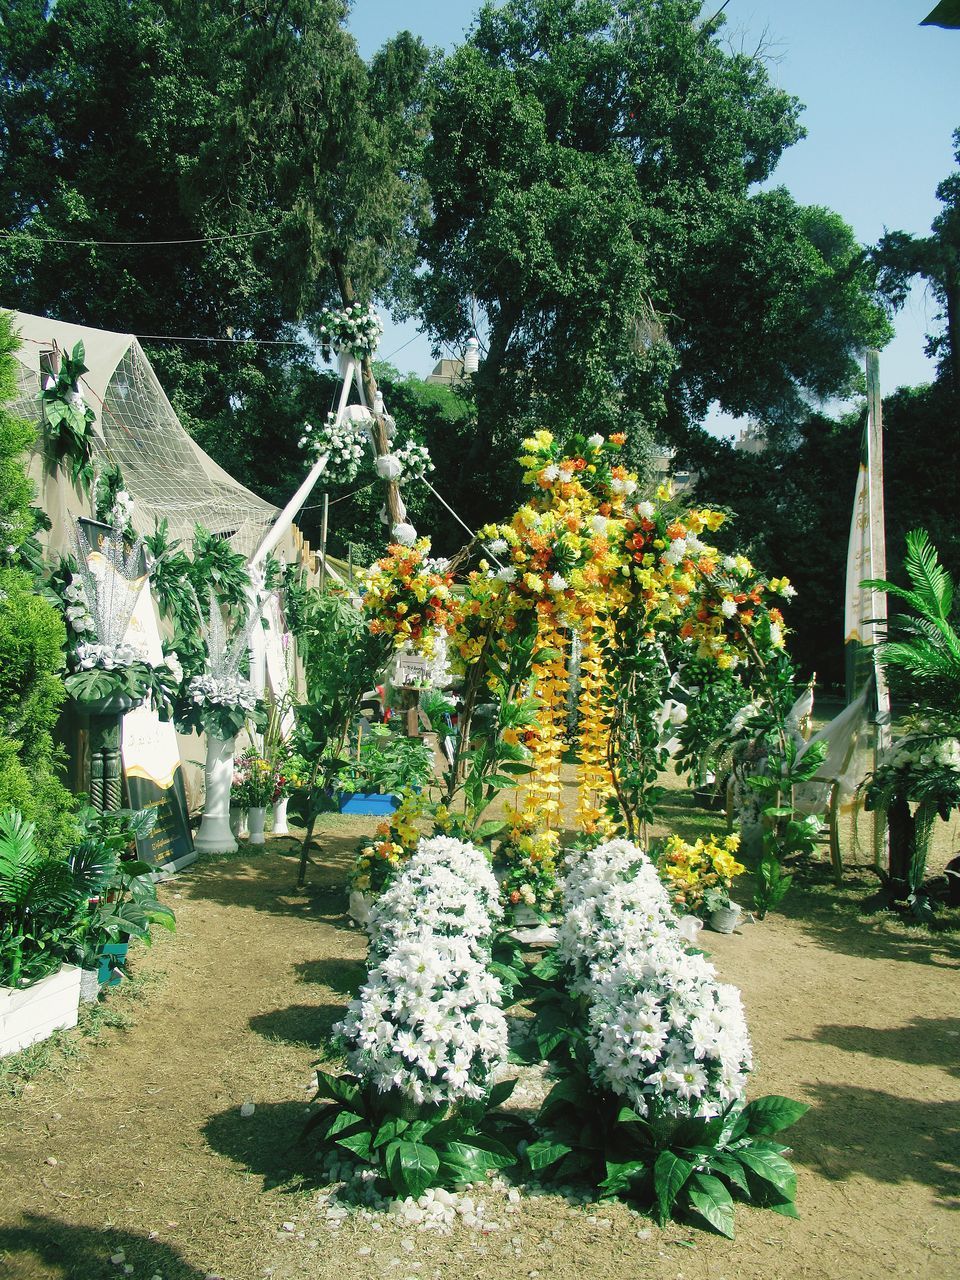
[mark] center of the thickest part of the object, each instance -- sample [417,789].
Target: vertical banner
[151,758]
[865,615]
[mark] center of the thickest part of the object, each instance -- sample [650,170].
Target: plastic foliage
[425,1033]
[125,904]
[220,701]
[653,1056]
[68,420]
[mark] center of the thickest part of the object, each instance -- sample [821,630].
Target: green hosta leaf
[358,1143]
[770,1115]
[474,1156]
[712,1201]
[390,1131]
[541,1155]
[412,1167]
[567,1091]
[488,829]
[548,968]
[770,1167]
[670,1174]
[344,1120]
[339,1088]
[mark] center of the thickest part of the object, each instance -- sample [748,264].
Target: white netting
[166,471]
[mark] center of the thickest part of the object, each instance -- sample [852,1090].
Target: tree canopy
[595,170]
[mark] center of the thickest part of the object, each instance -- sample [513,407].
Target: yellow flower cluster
[407,599]
[542,788]
[690,870]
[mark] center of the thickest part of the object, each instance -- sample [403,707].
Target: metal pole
[323,540]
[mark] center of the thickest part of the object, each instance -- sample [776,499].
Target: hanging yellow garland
[595,782]
[542,791]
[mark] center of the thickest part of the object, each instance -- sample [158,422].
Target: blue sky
[882,98]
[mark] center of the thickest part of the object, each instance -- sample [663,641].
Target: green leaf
[670,1174]
[620,1175]
[541,1155]
[501,1092]
[569,1091]
[488,829]
[731,1169]
[344,1120]
[390,1131]
[772,1168]
[770,1114]
[411,1167]
[358,1143]
[712,1201]
[340,1088]
[476,1155]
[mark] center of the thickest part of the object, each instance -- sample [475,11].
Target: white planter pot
[359,906]
[256,819]
[725,919]
[215,835]
[238,821]
[31,1014]
[280,827]
[89,985]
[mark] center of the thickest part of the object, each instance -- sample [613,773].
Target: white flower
[599,524]
[595,441]
[550,472]
[405,534]
[645,510]
[498,547]
[728,608]
[564,476]
[507,574]
[558,583]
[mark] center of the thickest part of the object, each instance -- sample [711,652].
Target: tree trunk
[903,836]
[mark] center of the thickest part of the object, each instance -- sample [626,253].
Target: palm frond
[930,580]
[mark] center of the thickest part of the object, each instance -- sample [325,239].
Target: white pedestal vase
[215,835]
[256,819]
[30,1014]
[280,827]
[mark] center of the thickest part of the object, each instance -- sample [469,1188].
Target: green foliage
[68,420]
[126,903]
[718,696]
[275,106]
[41,901]
[32,639]
[787,833]
[389,762]
[593,166]
[637,758]
[410,1152]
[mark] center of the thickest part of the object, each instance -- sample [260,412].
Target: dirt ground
[139,1146]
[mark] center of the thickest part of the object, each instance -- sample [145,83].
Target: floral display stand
[31,1014]
[215,835]
[280,827]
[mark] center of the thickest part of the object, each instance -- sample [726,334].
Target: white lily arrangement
[664,1033]
[428,1022]
[356,329]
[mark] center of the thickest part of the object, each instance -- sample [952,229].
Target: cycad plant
[42,899]
[922,654]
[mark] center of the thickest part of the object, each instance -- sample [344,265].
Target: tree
[593,166]
[255,137]
[936,259]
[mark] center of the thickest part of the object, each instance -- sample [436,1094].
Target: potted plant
[42,901]
[125,904]
[389,763]
[254,784]
[699,877]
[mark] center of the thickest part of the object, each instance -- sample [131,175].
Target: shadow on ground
[925,1042]
[44,1247]
[890,1139]
[269,1144]
[306,1024]
[344,976]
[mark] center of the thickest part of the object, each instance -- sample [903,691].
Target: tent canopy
[168,474]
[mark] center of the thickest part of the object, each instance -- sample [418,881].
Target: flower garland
[343,442]
[355,329]
[595,781]
[664,1034]
[428,1022]
[541,793]
[408,600]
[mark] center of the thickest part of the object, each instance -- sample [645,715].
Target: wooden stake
[323,540]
